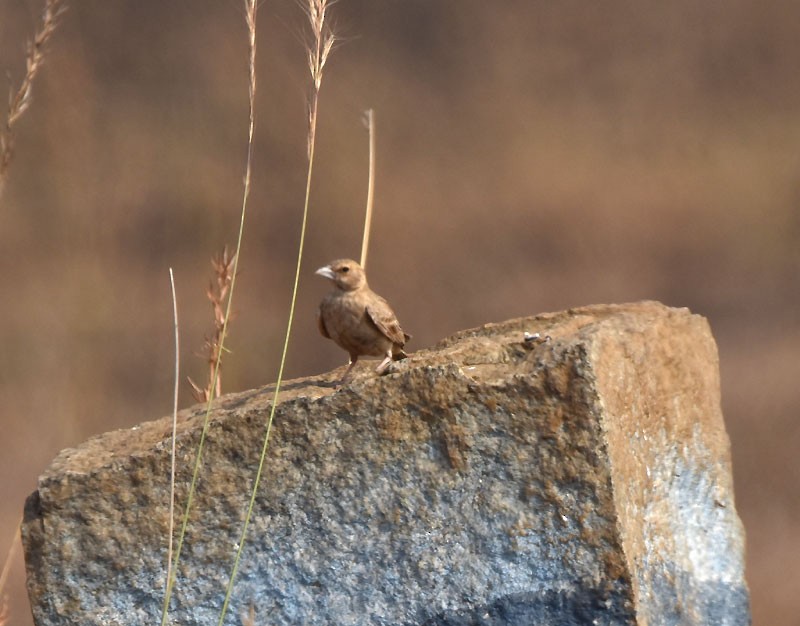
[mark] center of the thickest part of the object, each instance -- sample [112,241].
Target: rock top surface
[582,479]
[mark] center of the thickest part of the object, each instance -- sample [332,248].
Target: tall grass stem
[370,121]
[174,426]
[317,55]
[251,7]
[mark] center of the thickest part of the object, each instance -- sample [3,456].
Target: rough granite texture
[488,480]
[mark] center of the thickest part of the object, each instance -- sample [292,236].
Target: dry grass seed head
[322,39]
[19,101]
[223,264]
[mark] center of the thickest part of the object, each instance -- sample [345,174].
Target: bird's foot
[398,354]
[383,368]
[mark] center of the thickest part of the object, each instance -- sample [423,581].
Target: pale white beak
[326,272]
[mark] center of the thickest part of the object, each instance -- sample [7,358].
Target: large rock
[583,479]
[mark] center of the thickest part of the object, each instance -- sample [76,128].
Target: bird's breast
[345,318]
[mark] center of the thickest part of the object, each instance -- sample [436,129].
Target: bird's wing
[321,324]
[384,319]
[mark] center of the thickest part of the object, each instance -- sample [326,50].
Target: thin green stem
[317,56]
[251,24]
[174,427]
[273,408]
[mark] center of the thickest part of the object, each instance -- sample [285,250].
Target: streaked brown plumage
[357,319]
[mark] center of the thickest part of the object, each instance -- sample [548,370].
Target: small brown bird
[358,319]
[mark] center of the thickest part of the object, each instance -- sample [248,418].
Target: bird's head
[346,274]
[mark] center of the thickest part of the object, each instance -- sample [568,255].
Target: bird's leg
[346,377]
[381,369]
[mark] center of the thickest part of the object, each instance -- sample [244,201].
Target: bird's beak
[326,272]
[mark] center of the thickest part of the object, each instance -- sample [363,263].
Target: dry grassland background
[532,156]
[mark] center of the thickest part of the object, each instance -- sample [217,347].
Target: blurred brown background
[532,156]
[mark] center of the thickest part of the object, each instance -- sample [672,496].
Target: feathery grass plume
[19,101]
[174,424]
[3,610]
[369,121]
[319,48]
[223,264]
[251,9]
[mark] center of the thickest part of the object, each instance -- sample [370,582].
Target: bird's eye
[345,269]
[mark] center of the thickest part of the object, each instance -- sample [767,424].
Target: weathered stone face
[489,480]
